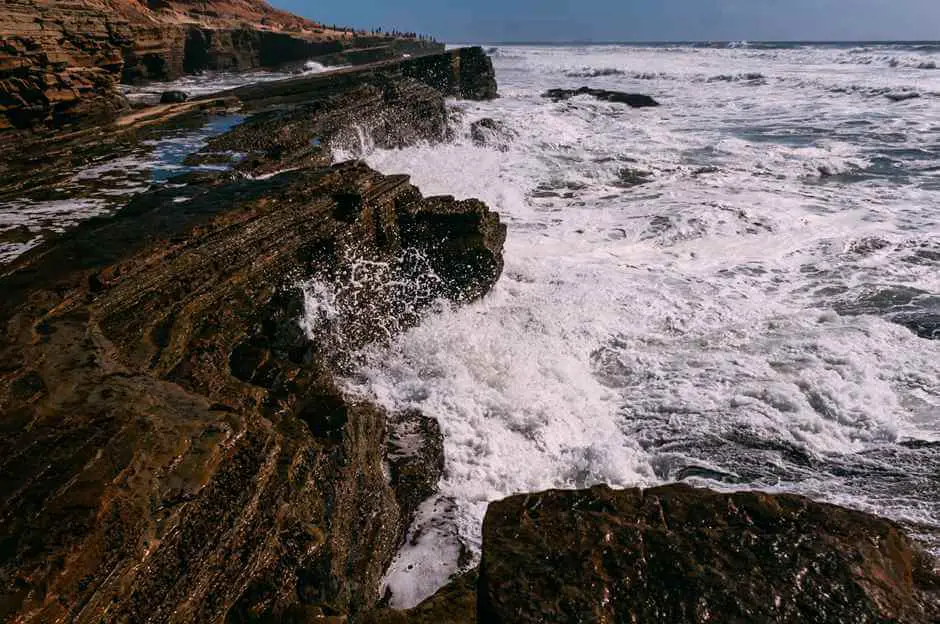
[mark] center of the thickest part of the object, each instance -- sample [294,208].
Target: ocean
[726,290]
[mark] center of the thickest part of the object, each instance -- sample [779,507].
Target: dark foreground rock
[634,100]
[678,554]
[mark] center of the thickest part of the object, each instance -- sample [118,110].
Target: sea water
[736,320]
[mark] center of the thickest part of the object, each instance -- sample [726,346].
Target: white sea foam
[686,327]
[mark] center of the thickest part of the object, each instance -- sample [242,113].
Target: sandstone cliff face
[60,61]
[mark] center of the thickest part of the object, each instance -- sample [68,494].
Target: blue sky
[636,20]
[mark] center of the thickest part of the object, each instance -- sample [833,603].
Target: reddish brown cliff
[61,61]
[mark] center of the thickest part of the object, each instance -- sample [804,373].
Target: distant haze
[637,20]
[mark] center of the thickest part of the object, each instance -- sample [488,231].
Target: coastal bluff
[61,62]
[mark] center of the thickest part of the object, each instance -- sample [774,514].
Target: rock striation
[173,442]
[175,445]
[61,61]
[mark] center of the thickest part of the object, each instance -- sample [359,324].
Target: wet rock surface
[175,446]
[917,310]
[678,554]
[165,417]
[634,100]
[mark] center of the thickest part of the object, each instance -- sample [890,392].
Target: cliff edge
[61,61]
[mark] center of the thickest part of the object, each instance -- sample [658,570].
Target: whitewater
[736,289]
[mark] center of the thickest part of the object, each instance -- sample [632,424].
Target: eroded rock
[678,554]
[178,449]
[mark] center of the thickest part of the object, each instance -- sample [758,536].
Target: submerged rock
[173,97]
[490,132]
[917,310]
[678,554]
[634,100]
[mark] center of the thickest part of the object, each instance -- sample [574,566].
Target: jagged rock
[678,554]
[174,446]
[634,100]
[465,73]
[173,97]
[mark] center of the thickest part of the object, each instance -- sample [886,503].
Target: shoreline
[167,419]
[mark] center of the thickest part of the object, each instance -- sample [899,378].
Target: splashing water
[681,298]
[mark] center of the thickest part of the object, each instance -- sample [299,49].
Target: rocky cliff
[61,61]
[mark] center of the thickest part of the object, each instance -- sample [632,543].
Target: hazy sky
[636,20]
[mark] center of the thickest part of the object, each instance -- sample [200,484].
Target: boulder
[634,100]
[173,97]
[679,554]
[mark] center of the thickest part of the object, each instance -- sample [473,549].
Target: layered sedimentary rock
[61,61]
[465,73]
[678,554]
[173,442]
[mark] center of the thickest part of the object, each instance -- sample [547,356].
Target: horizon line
[687,41]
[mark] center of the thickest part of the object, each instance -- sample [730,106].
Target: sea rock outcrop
[61,62]
[634,100]
[175,446]
[680,554]
[173,441]
[465,73]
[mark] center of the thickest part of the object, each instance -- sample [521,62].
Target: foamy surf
[677,302]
